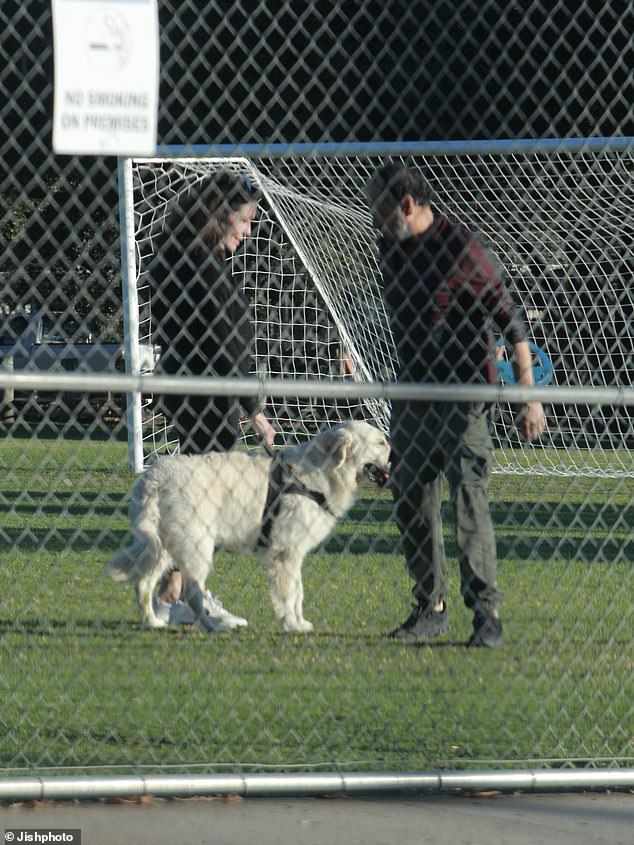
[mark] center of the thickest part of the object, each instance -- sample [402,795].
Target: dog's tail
[132,562]
[122,567]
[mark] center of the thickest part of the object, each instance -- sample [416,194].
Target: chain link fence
[84,686]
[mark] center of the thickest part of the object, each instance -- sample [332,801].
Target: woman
[202,322]
[201,316]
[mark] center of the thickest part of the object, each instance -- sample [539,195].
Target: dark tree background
[296,72]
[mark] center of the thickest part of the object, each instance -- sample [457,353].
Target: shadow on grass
[106,630]
[267,637]
[561,515]
[525,514]
[43,626]
[433,645]
[30,502]
[528,531]
[516,545]
[101,541]
[70,430]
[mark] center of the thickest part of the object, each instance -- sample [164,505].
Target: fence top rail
[505,146]
[225,386]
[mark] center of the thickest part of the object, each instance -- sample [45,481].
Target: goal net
[559,222]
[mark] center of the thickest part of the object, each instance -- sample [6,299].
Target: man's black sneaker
[423,622]
[487,631]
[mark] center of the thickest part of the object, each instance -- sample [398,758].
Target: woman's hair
[210,201]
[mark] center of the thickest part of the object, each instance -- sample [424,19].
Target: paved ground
[575,819]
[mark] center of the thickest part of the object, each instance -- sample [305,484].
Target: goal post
[557,214]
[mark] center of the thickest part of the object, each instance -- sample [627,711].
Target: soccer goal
[557,215]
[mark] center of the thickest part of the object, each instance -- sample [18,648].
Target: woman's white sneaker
[180,613]
[214,608]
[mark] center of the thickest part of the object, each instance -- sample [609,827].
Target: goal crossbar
[554,211]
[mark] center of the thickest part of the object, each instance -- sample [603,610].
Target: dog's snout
[376,474]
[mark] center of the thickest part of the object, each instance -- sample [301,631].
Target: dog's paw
[154,622]
[299,626]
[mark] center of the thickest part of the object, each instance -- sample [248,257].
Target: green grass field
[83,686]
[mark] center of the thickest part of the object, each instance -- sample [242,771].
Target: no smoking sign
[106,76]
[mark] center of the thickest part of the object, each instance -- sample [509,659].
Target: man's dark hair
[395,181]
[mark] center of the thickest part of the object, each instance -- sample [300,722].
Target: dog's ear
[337,444]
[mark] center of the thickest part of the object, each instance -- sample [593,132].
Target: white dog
[186,506]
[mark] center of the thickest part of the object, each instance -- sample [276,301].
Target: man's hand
[532,420]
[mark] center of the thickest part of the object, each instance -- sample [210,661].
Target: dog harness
[282,482]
